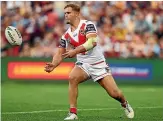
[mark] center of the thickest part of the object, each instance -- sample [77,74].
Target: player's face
[70,15]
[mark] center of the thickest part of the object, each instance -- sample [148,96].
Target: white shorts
[95,71]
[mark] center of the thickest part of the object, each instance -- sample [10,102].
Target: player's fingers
[46,67]
[47,70]
[47,64]
[65,55]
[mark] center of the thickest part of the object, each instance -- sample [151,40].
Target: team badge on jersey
[82,32]
[69,43]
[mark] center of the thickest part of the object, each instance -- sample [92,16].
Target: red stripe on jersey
[81,37]
[71,40]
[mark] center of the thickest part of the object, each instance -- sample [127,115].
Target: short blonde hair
[73,6]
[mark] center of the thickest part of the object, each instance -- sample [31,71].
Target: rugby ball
[13,35]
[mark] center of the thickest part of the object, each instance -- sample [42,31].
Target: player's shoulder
[87,22]
[67,31]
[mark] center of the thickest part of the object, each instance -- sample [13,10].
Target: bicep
[91,30]
[62,46]
[62,43]
[91,33]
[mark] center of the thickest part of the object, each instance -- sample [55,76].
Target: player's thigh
[77,75]
[108,83]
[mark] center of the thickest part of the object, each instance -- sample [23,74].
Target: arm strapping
[89,43]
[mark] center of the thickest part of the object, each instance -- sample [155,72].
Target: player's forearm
[80,49]
[57,59]
[89,44]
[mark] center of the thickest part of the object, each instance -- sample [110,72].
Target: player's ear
[76,14]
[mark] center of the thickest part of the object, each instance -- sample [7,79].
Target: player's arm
[88,45]
[91,35]
[57,58]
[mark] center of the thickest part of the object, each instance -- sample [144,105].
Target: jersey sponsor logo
[82,32]
[69,42]
[90,28]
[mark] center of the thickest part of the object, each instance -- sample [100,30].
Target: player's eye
[67,12]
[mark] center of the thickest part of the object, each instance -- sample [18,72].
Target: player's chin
[67,22]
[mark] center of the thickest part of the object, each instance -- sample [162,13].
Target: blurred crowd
[126,29]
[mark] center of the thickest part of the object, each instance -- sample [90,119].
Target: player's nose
[66,15]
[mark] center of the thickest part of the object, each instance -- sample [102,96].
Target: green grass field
[49,102]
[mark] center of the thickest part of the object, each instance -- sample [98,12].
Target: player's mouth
[67,21]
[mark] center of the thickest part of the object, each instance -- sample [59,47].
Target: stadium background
[131,37]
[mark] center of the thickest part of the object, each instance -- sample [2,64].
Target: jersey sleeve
[62,42]
[90,28]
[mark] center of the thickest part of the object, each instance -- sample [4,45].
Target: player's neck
[75,24]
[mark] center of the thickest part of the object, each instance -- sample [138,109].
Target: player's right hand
[49,67]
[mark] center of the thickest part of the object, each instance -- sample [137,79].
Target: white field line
[89,109]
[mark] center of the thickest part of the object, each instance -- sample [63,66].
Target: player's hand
[49,67]
[69,54]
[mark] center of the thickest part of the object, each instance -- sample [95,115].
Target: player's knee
[73,79]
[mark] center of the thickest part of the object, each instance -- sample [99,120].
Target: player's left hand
[69,54]
[49,67]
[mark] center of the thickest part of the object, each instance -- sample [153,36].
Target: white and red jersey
[79,37]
